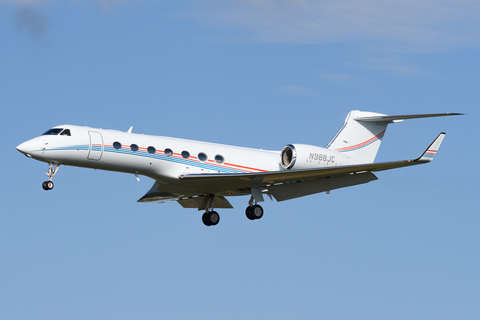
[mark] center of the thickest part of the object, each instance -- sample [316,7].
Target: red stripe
[362,143]
[249,168]
[195,159]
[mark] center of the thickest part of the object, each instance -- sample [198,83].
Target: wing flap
[294,190]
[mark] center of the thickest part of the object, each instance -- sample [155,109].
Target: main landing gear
[253,211]
[53,168]
[210,218]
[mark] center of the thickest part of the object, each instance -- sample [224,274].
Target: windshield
[65,132]
[52,132]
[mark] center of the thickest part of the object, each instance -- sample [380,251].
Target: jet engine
[303,156]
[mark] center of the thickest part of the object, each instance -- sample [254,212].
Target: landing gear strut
[210,217]
[53,168]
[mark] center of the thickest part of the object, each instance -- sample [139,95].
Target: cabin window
[186,154]
[117,145]
[219,159]
[151,150]
[202,156]
[65,132]
[134,147]
[52,132]
[168,152]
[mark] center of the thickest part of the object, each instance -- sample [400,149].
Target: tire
[49,185]
[206,219]
[44,185]
[248,213]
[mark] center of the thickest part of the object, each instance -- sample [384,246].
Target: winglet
[428,154]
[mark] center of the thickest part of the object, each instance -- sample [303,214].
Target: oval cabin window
[151,150]
[117,145]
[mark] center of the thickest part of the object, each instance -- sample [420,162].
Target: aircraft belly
[200,203]
[224,187]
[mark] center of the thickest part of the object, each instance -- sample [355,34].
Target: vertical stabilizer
[357,139]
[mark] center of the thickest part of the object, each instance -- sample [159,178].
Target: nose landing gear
[52,170]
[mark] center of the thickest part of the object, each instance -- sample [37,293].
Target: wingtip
[432,149]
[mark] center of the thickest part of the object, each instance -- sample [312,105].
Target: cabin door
[96,145]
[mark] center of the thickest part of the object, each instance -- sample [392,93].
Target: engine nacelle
[303,156]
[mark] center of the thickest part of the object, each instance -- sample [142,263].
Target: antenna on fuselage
[130,130]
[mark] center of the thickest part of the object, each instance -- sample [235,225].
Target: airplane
[201,174]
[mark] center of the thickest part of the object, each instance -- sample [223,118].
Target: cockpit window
[53,132]
[65,132]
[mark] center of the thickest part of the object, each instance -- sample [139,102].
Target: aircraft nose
[26,148]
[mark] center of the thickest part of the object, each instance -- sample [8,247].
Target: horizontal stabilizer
[404,117]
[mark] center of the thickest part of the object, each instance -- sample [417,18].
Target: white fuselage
[115,150]
[94,148]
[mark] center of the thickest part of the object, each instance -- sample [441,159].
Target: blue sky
[251,73]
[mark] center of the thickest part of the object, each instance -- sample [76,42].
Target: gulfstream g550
[201,174]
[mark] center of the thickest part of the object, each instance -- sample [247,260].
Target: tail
[361,135]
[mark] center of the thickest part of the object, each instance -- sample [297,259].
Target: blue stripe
[144,154]
[78,147]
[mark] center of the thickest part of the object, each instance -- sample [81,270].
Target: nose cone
[26,148]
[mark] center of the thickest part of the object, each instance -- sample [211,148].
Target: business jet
[201,175]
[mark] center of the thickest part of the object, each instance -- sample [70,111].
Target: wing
[282,184]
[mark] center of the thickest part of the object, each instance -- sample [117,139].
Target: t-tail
[361,135]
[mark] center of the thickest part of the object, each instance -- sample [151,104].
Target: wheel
[257,212]
[248,213]
[210,218]
[49,185]
[214,218]
[206,219]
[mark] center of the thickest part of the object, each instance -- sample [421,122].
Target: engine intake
[302,156]
[288,156]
